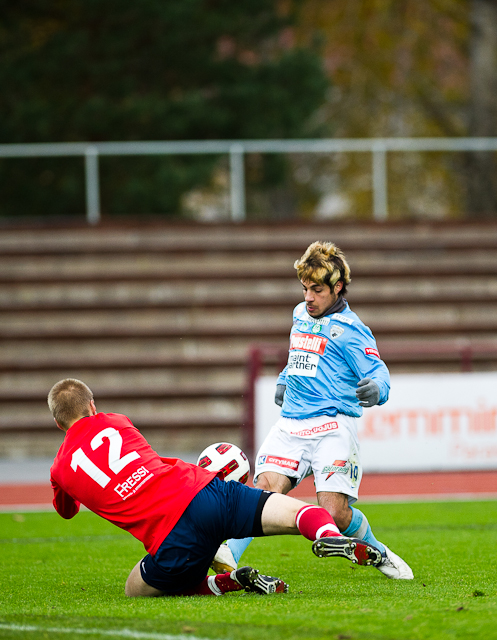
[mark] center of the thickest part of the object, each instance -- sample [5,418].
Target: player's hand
[280,392]
[368,392]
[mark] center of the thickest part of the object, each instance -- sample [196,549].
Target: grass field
[61,579]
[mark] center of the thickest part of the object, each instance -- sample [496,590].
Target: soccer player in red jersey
[179,511]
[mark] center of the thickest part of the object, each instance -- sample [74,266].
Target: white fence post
[92,186]
[237,183]
[380,182]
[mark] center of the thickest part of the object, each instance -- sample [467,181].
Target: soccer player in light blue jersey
[334,369]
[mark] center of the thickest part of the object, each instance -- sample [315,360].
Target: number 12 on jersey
[116,463]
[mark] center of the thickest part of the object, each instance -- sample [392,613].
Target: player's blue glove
[368,392]
[280,392]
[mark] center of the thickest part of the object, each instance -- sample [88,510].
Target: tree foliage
[414,68]
[95,70]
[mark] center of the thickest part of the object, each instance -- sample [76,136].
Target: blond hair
[69,400]
[323,263]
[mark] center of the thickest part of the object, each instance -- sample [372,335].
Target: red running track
[374,487]
[390,486]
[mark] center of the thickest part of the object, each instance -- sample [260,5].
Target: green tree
[481,168]
[412,68]
[96,70]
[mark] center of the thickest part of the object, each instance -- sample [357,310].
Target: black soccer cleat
[255,582]
[353,549]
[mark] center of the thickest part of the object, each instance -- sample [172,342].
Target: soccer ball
[226,458]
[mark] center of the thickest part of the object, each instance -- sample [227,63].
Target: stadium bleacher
[159,319]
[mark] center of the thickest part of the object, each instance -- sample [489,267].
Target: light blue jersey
[327,358]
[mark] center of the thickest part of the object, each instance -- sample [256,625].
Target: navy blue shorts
[221,510]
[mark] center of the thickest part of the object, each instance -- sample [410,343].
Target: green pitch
[64,579]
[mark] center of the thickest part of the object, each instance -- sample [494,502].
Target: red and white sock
[314,522]
[223,583]
[214,586]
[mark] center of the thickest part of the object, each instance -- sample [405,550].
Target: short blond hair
[323,263]
[69,400]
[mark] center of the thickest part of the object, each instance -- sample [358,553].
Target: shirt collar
[339,305]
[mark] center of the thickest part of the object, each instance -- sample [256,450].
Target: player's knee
[129,591]
[275,482]
[263,482]
[140,589]
[132,588]
[136,587]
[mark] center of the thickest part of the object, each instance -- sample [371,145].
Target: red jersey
[106,464]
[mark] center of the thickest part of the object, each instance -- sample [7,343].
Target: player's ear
[93,408]
[338,287]
[58,425]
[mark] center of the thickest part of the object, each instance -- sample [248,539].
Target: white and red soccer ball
[228,459]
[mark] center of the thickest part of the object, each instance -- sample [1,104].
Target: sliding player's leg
[181,564]
[283,515]
[246,578]
[137,587]
[229,553]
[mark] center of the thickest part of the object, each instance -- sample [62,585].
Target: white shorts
[324,446]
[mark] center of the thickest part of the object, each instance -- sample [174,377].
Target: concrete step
[151,358]
[161,322]
[137,266]
[179,381]
[243,293]
[177,294]
[144,412]
[20,368]
[80,238]
[126,352]
[265,324]
[225,266]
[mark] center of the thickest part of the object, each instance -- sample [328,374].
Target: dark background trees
[74,70]
[95,70]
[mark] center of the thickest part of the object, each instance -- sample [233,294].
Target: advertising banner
[431,422]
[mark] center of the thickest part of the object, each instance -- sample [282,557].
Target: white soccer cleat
[394,567]
[223,560]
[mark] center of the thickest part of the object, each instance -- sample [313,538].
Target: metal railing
[236,149]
